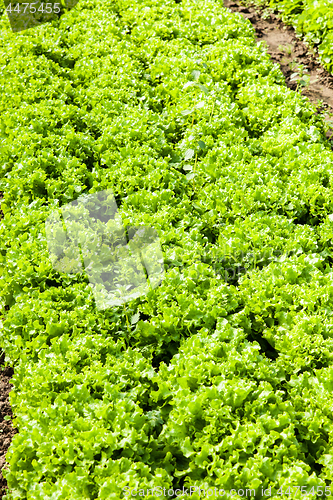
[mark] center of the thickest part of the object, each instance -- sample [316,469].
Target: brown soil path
[284,48]
[6,430]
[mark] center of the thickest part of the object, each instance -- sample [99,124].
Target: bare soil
[6,430]
[286,48]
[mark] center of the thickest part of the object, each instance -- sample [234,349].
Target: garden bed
[220,377]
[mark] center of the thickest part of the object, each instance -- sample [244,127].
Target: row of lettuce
[312,19]
[203,382]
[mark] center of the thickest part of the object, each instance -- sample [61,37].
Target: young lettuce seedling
[301,76]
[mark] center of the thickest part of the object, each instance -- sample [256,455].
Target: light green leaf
[190,176]
[189,154]
[186,112]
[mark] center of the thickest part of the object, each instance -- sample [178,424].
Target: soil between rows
[6,429]
[276,34]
